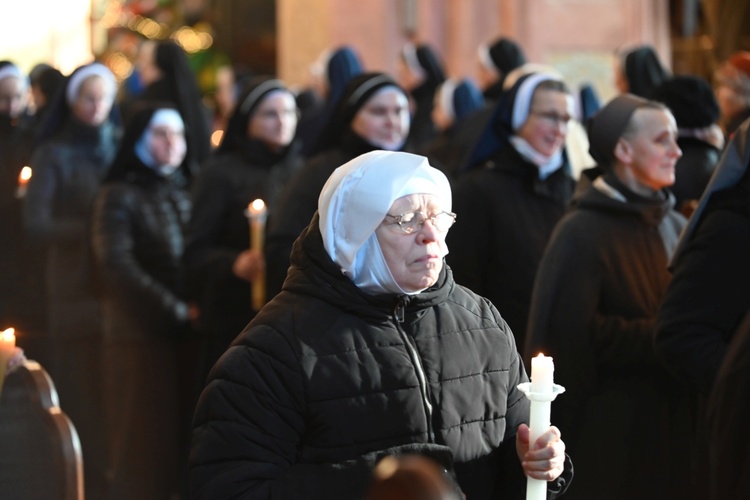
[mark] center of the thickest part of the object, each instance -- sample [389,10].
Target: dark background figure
[17,297]
[420,72]
[710,290]
[639,71]
[728,414]
[254,161]
[510,205]
[138,230]
[79,139]
[45,81]
[496,60]
[332,73]
[594,307]
[165,73]
[732,81]
[693,104]
[372,113]
[455,101]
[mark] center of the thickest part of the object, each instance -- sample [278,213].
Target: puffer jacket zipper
[411,348]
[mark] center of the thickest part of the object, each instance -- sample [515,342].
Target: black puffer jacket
[138,227]
[326,378]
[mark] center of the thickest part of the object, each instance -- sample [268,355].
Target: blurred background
[285,37]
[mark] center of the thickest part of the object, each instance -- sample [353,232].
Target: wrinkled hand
[546,458]
[249,265]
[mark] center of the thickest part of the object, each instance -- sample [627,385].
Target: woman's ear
[624,151]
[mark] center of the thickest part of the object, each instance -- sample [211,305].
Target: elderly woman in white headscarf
[370,349]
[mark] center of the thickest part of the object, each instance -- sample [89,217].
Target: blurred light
[216,138]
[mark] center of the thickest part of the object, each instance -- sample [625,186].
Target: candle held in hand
[256,212]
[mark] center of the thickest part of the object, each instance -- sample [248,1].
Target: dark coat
[138,231]
[693,170]
[68,171]
[138,228]
[505,215]
[219,231]
[729,457]
[326,378]
[593,310]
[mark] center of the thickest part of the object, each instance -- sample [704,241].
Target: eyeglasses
[411,222]
[552,118]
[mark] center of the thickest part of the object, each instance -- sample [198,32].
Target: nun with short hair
[371,349]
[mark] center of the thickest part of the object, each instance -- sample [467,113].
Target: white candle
[256,212]
[7,346]
[23,179]
[542,369]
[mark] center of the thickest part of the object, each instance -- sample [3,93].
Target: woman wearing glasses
[371,349]
[512,201]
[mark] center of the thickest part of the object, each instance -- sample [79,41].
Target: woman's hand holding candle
[249,265]
[546,459]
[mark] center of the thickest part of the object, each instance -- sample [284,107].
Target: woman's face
[274,121]
[384,119]
[651,152]
[168,145]
[12,97]
[547,125]
[94,101]
[415,260]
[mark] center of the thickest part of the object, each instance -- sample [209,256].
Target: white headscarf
[85,72]
[355,201]
[162,117]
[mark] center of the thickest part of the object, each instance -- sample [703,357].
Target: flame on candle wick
[8,334]
[257,206]
[25,175]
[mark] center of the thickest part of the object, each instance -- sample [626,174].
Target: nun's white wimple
[257,92]
[483,51]
[13,71]
[355,201]
[366,86]
[445,98]
[522,102]
[410,58]
[93,69]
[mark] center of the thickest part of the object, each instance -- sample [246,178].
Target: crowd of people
[425,235]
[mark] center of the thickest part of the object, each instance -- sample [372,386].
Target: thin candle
[256,212]
[23,179]
[540,391]
[7,346]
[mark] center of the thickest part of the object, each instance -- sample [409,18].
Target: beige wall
[577,37]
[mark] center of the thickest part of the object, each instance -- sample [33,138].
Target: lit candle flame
[8,334]
[257,206]
[24,176]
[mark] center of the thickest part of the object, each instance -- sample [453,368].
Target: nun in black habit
[138,230]
[78,140]
[254,161]
[333,71]
[421,73]
[372,113]
[165,71]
